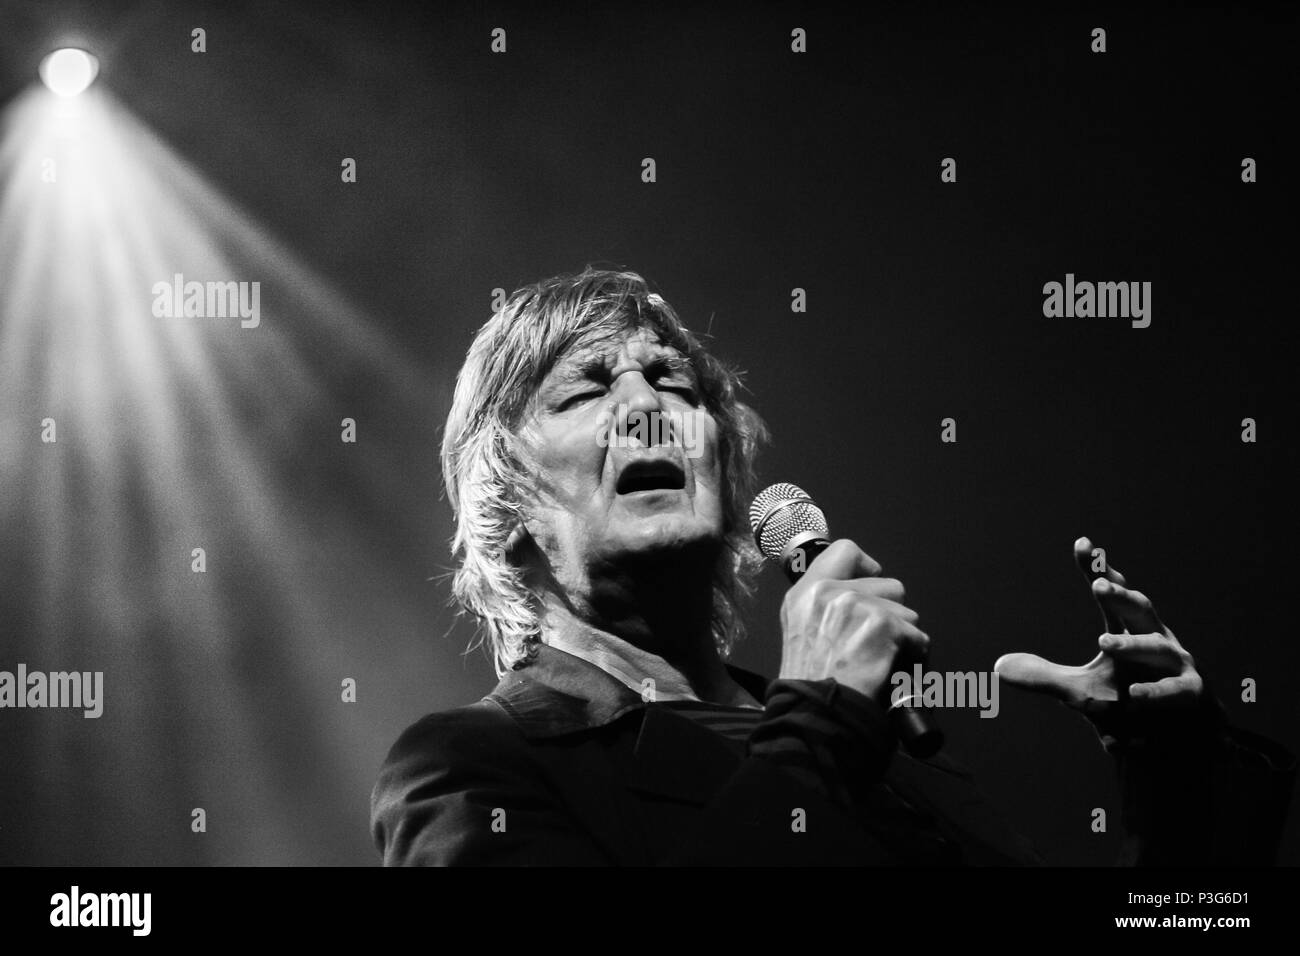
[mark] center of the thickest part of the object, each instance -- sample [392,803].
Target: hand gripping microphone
[791,530]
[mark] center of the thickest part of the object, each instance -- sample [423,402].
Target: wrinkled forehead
[602,348]
[584,353]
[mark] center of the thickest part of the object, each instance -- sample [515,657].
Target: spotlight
[69,71]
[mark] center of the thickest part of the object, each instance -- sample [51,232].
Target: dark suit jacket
[563,765]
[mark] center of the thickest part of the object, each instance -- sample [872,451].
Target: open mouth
[651,476]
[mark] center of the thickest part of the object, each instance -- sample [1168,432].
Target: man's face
[612,488]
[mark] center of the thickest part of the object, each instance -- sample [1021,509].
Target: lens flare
[69,71]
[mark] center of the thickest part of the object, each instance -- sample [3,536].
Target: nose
[638,409]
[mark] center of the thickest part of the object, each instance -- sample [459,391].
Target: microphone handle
[915,726]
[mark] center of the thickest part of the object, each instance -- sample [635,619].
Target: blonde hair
[484,467]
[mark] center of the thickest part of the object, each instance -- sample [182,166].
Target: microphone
[791,530]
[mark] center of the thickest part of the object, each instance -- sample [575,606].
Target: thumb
[1034,673]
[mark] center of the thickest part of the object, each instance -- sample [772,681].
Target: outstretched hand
[1140,664]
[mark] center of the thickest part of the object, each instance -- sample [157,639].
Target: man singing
[606,563]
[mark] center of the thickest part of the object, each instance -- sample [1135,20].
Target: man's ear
[517,537]
[522,551]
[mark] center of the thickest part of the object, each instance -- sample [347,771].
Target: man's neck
[695,673]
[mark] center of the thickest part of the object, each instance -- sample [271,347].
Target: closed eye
[685,391]
[580,397]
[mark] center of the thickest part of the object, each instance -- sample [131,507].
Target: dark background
[775,170]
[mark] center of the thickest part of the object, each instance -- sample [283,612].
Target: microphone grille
[780,512]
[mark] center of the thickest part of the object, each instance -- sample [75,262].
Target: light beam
[184,432]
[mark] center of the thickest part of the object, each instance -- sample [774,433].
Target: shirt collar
[557,693]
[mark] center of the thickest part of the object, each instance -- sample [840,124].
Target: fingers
[1096,566]
[842,561]
[1147,650]
[899,610]
[913,644]
[888,589]
[853,605]
[1180,691]
[1131,609]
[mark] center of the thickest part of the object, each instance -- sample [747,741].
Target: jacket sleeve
[840,744]
[1197,791]
[832,738]
[461,788]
